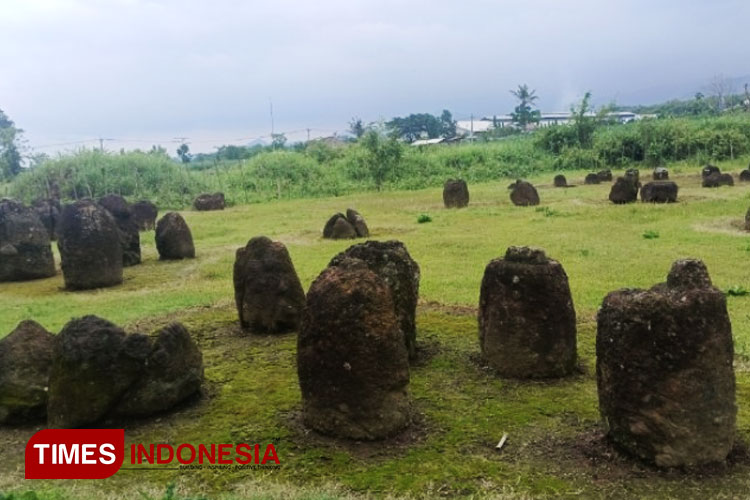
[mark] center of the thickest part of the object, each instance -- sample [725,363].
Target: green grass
[252,393]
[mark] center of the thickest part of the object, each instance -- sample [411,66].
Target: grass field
[554,445]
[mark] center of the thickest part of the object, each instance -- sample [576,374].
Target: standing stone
[592,179]
[716,179]
[527,322]
[455,193]
[207,201]
[174,240]
[604,175]
[48,210]
[747,220]
[130,238]
[660,174]
[560,181]
[145,214]
[267,291]
[726,180]
[624,190]
[659,192]
[634,175]
[351,359]
[664,369]
[25,250]
[391,262]
[708,170]
[339,228]
[358,223]
[745,176]
[94,363]
[89,244]
[173,372]
[524,194]
[25,359]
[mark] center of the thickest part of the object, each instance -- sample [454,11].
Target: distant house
[472,128]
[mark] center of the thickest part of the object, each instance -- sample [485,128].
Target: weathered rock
[716,179]
[207,201]
[747,220]
[267,291]
[527,322]
[145,214]
[634,175]
[25,360]
[660,174]
[709,169]
[338,228]
[604,175]
[391,261]
[455,193]
[130,238]
[90,248]
[664,369]
[173,372]
[624,190]
[25,250]
[524,194]
[592,179]
[48,210]
[745,176]
[94,363]
[351,359]
[560,181]
[659,192]
[174,240]
[358,223]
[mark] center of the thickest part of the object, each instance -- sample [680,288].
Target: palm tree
[523,114]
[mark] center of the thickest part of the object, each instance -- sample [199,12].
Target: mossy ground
[462,409]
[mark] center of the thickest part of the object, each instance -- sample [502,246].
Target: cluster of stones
[210,201]
[598,177]
[664,369]
[527,322]
[354,344]
[455,193]
[93,371]
[523,194]
[25,249]
[712,177]
[349,226]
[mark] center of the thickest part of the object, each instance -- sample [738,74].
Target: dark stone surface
[208,201]
[48,210]
[267,290]
[351,359]
[710,169]
[745,176]
[592,179]
[659,192]
[174,240]
[716,179]
[90,248]
[339,228]
[455,193]
[634,175]
[130,238]
[145,214]
[25,361]
[527,322]
[604,175]
[664,369]
[660,174]
[560,181]
[624,190]
[358,223]
[25,250]
[524,194]
[391,261]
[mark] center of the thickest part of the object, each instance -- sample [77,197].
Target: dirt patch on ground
[454,310]
[725,225]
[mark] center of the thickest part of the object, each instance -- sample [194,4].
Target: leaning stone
[664,369]
[455,193]
[174,240]
[173,372]
[130,238]
[338,228]
[25,250]
[90,248]
[25,360]
[358,223]
[624,190]
[659,192]
[94,363]
[527,322]
[351,359]
[391,261]
[524,194]
[267,291]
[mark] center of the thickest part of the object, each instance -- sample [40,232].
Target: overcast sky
[154,70]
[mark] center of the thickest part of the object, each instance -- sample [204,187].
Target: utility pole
[101,144]
[471,134]
[308,135]
[270,102]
